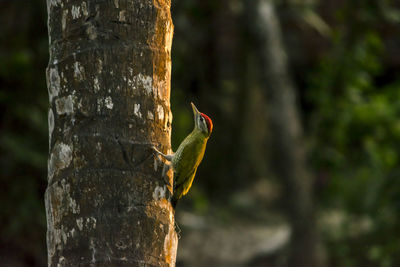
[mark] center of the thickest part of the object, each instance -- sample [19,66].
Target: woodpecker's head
[202,122]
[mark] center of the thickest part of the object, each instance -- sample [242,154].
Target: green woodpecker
[186,159]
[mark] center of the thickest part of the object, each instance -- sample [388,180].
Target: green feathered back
[185,162]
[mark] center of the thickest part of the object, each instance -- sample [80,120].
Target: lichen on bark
[109,87]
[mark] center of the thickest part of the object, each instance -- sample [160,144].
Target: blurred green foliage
[23,132]
[355,132]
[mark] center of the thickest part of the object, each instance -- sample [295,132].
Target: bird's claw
[166,180]
[178,230]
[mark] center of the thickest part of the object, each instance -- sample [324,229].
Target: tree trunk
[109,88]
[288,151]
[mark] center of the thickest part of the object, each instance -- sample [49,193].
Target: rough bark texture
[286,134]
[109,88]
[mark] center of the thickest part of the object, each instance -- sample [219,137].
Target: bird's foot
[178,230]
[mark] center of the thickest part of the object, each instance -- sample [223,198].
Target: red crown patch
[209,122]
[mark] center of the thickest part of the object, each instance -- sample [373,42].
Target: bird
[187,158]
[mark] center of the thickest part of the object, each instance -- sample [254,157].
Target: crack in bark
[67,174]
[112,179]
[120,22]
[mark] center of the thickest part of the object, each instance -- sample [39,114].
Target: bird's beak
[195,110]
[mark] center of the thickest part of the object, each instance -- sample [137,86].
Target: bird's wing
[188,158]
[181,188]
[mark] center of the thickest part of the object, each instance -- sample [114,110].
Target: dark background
[344,59]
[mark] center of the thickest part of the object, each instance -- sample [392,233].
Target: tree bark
[288,151]
[109,88]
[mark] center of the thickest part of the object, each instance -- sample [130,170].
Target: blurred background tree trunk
[109,88]
[288,155]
